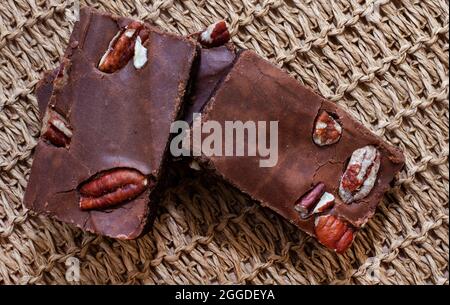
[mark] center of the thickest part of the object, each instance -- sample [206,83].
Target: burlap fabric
[385,61]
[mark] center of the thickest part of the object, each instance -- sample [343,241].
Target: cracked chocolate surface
[120,119]
[256,90]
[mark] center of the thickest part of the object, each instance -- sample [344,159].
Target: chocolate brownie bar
[331,172]
[99,162]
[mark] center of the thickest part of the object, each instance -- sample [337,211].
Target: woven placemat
[386,62]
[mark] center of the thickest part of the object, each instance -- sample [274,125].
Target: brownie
[99,162]
[309,169]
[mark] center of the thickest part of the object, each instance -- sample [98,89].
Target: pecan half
[327,130]
[214,35]
[56,129]
[122,48]
[310,199]
[334,233]
[315,201]
[111,188]
[325,203]
[360,175]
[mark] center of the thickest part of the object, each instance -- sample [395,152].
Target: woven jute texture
[386,62]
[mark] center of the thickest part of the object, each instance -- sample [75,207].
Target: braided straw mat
[385,61]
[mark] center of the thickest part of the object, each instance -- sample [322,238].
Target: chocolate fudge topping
[105,134]
[213,64]
[255,90]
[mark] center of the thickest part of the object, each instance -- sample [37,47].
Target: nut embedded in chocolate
[360,175]
[215,35]
[327,130]
[123,47]
[140,54]
[326,202]
[111,188]
[315,201]
[333,232]
[310,199]
[56,129]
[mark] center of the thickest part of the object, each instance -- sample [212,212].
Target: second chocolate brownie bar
[99,162]
[330,171]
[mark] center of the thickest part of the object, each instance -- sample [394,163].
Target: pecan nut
[111,188]
[215,35]
[326,202]
[307,201]
[360,175]
[123,47]
[327,130]
[140,54]
[56,129]
[315,201]
[334,233]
